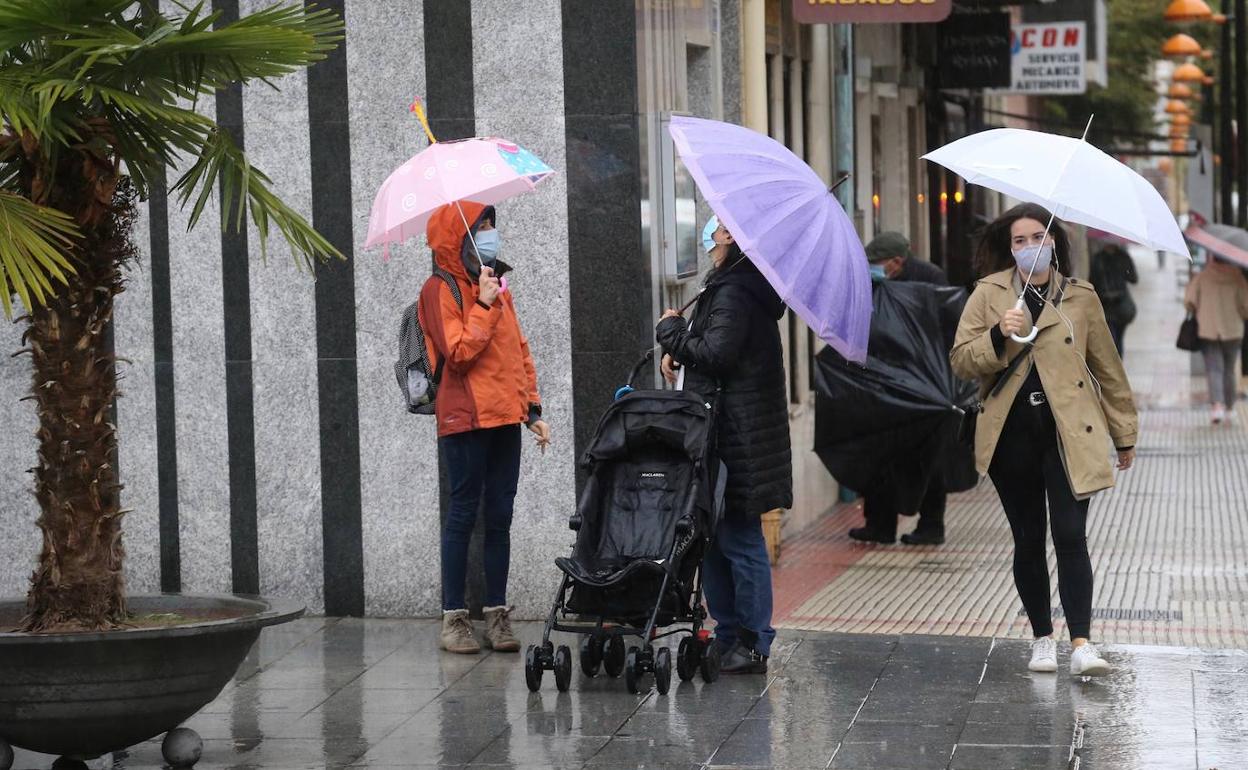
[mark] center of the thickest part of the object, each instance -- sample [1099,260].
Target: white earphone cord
[1070,327]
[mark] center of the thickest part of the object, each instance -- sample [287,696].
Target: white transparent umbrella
[1075,181]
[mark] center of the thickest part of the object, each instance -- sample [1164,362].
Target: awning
[1223,240]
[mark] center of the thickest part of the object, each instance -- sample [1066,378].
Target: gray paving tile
[646,752]
[797,743]
[970,757]
[891,754]
[518,749]
[1051,732]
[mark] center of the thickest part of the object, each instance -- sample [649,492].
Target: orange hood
[445,232]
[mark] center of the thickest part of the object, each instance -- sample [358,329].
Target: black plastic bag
[900,419]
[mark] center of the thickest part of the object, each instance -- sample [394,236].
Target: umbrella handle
[1034,329]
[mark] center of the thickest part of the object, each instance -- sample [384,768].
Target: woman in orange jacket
[487,391]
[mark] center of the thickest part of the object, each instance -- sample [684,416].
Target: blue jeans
[481,464]
[736,577]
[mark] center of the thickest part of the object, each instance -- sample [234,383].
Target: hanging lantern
[1188,73]
[1180,120]
[1188,10]
[1176,107]
[1181,45]
[1180,91]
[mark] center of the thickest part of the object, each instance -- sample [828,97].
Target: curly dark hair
[993,254]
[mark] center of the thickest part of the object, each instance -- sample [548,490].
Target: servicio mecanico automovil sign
[870,11]
[1049,58]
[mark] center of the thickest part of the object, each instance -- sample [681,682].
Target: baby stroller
[647,514]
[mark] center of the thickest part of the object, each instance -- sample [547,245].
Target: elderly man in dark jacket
[890,251]
[730,350]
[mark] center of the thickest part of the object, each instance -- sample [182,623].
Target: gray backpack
[417,379]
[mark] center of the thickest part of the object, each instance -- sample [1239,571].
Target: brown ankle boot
[457,633]
[498,633]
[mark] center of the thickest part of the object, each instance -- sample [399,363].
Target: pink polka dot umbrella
[485,170]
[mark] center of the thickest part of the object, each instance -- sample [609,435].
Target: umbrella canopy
[1074,180]
[485,170]
[894,421]
[784,218]
[1225,241]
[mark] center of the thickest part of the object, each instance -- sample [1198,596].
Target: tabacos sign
[870,11]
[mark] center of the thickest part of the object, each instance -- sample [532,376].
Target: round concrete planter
[83,695]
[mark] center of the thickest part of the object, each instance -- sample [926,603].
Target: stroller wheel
[563,668]
[710,662]
[591,654]
[663,670]
[613,659]
[687,659]
[533,668]
[632,670]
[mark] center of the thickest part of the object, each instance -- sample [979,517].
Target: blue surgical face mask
[488,243]
[1034,259]
[877,273]
[708,233]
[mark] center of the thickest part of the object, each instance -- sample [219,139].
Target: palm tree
[97,100]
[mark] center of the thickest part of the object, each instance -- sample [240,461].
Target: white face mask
[1034,259]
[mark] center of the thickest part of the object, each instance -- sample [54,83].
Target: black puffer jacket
[735,345]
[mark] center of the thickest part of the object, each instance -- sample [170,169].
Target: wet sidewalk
[376,693]
[939,682]
[1169,544]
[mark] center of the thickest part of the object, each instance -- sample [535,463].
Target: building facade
[264,447]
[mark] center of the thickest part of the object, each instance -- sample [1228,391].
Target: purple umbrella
[785,219]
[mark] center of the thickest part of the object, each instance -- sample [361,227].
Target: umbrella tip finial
[1088,127]
[417,108]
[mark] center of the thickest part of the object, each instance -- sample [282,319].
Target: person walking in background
[1050,409]
[890,258]
[1111,271]
[730,350]
[487,391]
[1218,296]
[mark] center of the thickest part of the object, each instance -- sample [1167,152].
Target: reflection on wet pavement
[325,693]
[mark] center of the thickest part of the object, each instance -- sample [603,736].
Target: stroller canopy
[671,419]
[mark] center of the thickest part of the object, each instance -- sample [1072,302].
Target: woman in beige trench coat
[1051,409]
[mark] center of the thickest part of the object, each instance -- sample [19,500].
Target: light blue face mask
[708,241]
[488,244]
[877,273]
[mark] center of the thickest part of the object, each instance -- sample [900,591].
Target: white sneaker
[1086,661]
[1219,413]
[1043,655]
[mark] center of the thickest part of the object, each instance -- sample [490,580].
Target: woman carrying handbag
[1217,300]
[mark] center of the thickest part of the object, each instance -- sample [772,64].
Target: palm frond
[246,190]
[190,56]
[25,110]
[32,241]
[25,21]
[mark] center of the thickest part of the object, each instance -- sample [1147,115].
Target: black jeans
[480,463]
[1026,468]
